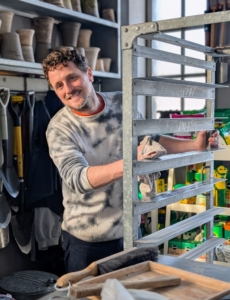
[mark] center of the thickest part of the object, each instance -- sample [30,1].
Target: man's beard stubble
[87,102]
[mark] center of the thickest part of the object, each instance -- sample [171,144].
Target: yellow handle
[15,143]
[18,136]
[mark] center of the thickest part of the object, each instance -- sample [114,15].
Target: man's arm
[99,176]
[174,145]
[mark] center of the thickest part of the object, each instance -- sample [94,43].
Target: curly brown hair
[63,55]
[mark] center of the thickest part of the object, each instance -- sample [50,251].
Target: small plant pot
[43,27]
[100,65]
[28,53]
[68,4]
[107,64]
[90,7]
[7,18]
[11,46]
[69,32]
[76,5]
[56,2]
[26,36]
[91,54]
[41,51]
[84,38]
[108,14]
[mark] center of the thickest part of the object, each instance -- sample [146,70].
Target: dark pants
[79,254]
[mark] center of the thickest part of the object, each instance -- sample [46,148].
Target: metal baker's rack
[133,86]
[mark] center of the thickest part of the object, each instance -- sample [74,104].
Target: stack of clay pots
[83,47]
[108,14]
[26,40]
[62,3]
[69,33]
[43,27]
[103,64]
[10,42]
[76,5]
[56,2]
[90,7]
[67,4]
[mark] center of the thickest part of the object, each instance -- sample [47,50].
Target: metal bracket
[130,32]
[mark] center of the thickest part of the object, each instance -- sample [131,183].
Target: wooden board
[193,286]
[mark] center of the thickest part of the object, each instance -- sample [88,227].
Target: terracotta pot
[67,4]
[69,32]
[108,14]
[41,51]
[28,53]
[7,18]
[56,2]
[81,51]
[90,7]
[100,65]
[26,36]
[91,54]
[107,64]
[11,46]
[76,5]
[84,38]
[43,29]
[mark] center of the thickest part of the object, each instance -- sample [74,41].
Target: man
[85,143]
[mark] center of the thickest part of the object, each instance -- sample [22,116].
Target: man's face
[72,86]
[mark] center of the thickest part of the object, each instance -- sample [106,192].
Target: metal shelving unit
[106,34]
[133,127]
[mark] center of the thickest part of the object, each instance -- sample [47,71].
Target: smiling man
[85,143]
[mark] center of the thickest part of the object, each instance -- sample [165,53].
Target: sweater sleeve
[68,158]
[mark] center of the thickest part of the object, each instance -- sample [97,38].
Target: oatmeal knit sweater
[75,143]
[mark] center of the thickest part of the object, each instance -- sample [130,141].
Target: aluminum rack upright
[132,86]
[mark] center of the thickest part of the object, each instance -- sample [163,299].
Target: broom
[109,264]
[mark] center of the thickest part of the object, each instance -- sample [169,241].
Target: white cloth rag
[150,150]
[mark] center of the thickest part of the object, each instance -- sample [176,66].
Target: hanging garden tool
[5,217]
[30,101]
[7,172]
[5,212]
[21,222]
[27,129]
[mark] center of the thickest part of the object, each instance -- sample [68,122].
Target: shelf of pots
[18,55]
[84,16]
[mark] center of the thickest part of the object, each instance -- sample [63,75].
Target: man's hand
[202,142]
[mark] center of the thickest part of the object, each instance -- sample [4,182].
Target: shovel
[7,174]
[5,212]
[30,100]
[21,222]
